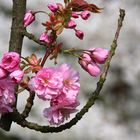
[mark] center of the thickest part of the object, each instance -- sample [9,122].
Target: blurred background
[116,115]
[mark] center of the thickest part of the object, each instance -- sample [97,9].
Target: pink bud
[3,73]
[17,76]
[93,69]
[53,7]
[100,55]
[29,17]
[71,24]
[74,15]
[79,34]
[85,60]
[85,15]
[44,37]
[89,65]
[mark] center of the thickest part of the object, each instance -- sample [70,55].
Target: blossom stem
[41,12]
[47,53]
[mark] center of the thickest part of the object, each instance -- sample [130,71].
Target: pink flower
[29,17]
[7,97]
[3,73]
[90,59]
[70,79]
[53,7]
[61,108]
[74,15]
[79,34]
[10,61]
[71,24]
[47,83]
[44,37]
[85,15]
[100,55]
[16,76]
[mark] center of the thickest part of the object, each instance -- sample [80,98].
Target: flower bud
[29,17]
[100,55]
[85,60]
[71,24]
[85,15]
[74,15]
[89,65]
[53,7]
[93,69]
[44,37]
[79,34]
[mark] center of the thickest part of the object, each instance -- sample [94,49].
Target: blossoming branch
[58,85]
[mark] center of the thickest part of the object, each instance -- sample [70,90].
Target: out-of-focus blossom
[44,37]
[85,15]
[61,108]
[7,97]
[89,60]
[10,61]
[79,34]
[71,24]
[29,17]
[46,83]
[53,6]
[16,76]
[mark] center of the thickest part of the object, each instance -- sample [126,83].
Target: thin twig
[32,37]
[29,104]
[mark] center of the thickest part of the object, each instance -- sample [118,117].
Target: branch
[29,104]
[32,37]
[94,96]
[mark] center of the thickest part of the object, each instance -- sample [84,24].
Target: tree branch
[32,37]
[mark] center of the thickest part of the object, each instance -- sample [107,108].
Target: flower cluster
[60,86]
[90,59]
[62,17]
[10,74]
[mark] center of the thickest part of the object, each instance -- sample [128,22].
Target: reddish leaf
[59,31]
[57,26]
[81,5]
[93,8]
[77,5]
[28,70]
